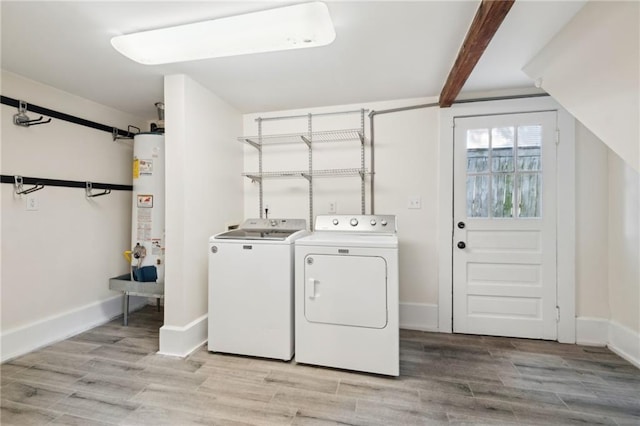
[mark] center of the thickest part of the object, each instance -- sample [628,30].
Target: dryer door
[346,290]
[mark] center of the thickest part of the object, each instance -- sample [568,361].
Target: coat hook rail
[89,191]
[62,116]
[19,186]
[42,182]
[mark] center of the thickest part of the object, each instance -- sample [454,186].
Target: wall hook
[89,191]
[130,133]
[22,119]
[19,186]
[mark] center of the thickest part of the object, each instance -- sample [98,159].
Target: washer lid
[251,234]
[266,229]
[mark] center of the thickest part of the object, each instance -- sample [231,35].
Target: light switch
[415,202]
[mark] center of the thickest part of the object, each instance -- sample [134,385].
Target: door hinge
[557,136]
[557,313]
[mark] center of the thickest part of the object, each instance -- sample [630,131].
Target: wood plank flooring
[111,375]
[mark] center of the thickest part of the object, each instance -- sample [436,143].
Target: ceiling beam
[485,24]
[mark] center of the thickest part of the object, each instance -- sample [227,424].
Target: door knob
[461,244]
[461,225]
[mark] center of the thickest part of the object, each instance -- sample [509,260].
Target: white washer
[251,288]
[347,294]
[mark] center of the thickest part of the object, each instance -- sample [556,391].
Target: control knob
[373,222]
[383,222]
[354,222]
[336,221]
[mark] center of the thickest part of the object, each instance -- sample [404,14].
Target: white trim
[566,206]
[624,342]
[29,337]
[566,226]
[592,331]
[419,316]
[445,222]
[181,341]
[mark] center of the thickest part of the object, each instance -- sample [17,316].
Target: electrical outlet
[415,202]
[32,203]
[333,207]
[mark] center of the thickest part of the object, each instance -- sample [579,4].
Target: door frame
[565,205]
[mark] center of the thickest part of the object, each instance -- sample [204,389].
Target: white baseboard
[603,332]
[419,316]
[624,342]
[47,331]
[181,341]
[592,331]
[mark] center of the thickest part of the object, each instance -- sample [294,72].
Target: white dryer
[347,294]
[251,278]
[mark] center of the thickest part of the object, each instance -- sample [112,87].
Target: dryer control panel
[375,224]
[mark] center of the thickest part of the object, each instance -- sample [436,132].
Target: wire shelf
[308,139]
[256,176]
[346,135]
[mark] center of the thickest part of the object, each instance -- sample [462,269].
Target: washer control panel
[276,224]
[384,224]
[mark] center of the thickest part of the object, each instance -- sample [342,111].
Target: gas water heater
[147,236]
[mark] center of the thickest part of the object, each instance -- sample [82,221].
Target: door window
[504,173]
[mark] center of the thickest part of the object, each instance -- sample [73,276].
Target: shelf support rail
[362,164]
[310,177]
[259,147]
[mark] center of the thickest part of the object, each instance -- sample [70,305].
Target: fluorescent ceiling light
[291,27]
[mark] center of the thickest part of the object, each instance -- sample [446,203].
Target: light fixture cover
[290,27]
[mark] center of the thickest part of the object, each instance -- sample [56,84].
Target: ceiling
[383,50]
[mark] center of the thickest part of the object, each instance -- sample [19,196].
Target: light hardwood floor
[111,375]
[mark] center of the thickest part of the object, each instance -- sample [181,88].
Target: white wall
[607,253]
[624,243]
[56,261]
[406,145]
[592,222]
[592,68]
[203,194]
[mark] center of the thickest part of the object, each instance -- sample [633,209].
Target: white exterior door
[504,239]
